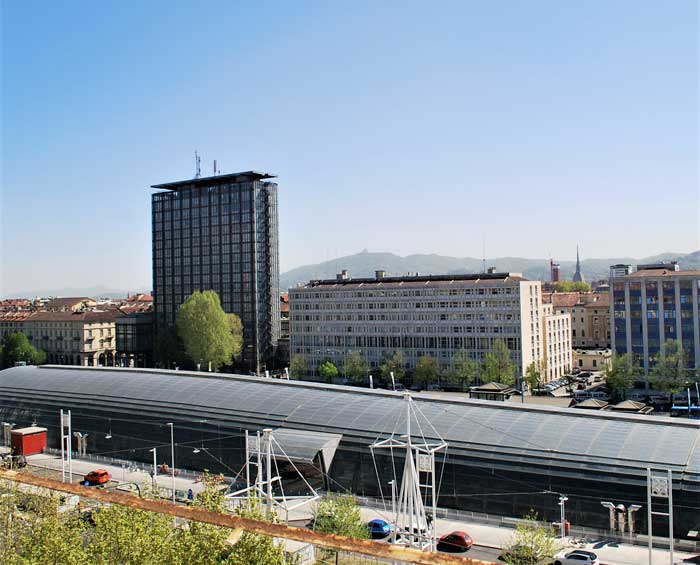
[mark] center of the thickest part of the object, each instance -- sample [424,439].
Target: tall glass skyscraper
[220,233]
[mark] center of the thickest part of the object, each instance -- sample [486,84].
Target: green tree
[255,549]
[533,375]
[464,370]
[570,286]
[234,322]
[498,366]
[328,371]
[531,544]
[427,370]
[394,363]
[169,349]
[205,329]
[669,373]
[298,367]
[619,376]
[16,348]
[355,367]
[340,515]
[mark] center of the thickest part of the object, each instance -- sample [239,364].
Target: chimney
[379,275]
[491,270]
[342,275]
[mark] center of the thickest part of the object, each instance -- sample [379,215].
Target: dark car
[455,541]
[378,528]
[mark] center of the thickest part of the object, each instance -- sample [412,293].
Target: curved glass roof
[535,435]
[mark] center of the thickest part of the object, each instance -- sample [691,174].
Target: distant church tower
[578,277]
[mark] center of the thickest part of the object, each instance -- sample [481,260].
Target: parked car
[577,557]
[435,387]
[378,528]
[398,387]
[97,477]
[455,541]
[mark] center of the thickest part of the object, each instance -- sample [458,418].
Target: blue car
[378,529]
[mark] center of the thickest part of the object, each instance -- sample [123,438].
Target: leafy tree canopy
[531,544]
[498,366]
[16,348]
[464,370]
[328,371]
[394,363]
[619,376]
[533,375]
[570,286]
[340,515]
[426,370]
[355,367]
[670,374]
[236,325]
[205,329]
[298,367]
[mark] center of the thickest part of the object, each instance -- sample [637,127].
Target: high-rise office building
[220,233]
[654,305]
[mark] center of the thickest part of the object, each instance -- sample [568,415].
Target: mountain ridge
[364,264]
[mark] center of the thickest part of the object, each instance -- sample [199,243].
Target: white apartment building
[423,315]
[557,343]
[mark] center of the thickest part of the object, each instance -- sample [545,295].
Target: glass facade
[524,455]
[220,234]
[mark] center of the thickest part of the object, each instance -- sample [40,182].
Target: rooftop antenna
[198,165]
[483,254]
[216,172]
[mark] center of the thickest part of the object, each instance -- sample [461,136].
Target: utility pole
[268,468]
[66,446]
[172,459]
[155,470]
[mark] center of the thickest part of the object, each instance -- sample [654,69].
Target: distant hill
[365,263]
[92,292]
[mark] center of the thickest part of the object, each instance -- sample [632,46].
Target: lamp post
[172,459]
[562,522]
[155,469]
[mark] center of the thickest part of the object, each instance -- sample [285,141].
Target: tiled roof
[565,299]
[601,300]
[68,302]
[90,317]
[140,298]
[14,316]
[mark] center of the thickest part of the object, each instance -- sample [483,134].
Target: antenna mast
[197,165]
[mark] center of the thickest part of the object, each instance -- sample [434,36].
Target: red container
[28,441]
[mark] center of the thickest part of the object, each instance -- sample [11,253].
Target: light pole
[562,522]
[172,458]
[155,469]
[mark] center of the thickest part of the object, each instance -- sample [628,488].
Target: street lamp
[155,469]
[172,458]
[562,523]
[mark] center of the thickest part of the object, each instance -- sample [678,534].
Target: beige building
[420,315]
[556,333]
[590,316]
[68,338]
[70,304]
[592,359]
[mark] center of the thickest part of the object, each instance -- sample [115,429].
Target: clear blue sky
[410,127]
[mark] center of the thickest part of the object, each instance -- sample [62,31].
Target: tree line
[15,348]
[670,373]
[464,370]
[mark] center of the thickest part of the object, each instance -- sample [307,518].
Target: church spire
[578,276]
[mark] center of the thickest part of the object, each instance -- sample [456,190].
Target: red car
[455,541]
[97,477]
